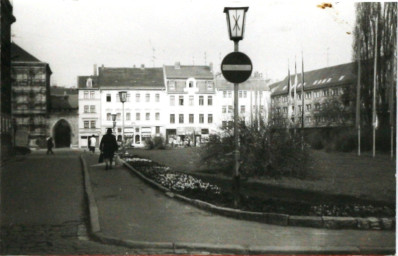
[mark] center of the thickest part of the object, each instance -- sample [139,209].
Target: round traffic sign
[236,67]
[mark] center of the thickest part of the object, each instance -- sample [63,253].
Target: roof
[82,80]
[19,54]
[62,103]
[250,84]
[184,72]
[131,78]
[320,78]
[56,90]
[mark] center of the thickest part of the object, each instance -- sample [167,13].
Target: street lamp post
[123,98]
[236,28]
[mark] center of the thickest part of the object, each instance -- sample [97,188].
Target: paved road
[43,207]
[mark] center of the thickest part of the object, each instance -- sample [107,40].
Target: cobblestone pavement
[67,238]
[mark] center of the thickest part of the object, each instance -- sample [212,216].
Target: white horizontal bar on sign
[229,67]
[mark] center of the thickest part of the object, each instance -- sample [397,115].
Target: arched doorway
[62,134]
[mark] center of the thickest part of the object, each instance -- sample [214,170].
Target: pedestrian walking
[93,142]
[108,146]
[50,145]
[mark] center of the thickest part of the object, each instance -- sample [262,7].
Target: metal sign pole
[236,138]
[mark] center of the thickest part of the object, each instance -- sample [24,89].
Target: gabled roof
[19,54]
[184,72]
[250,84]
[82,80]
[129,78]
[320,78]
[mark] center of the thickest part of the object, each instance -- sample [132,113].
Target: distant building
[30,96]
[7,19]
[190,104]
[324,102]
[254,101]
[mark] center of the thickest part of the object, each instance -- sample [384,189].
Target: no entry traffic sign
[236,67]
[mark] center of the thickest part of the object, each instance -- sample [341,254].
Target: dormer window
[190,84]
[172,85]
[89,83]
[209,85]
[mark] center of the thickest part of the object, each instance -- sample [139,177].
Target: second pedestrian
[108,147]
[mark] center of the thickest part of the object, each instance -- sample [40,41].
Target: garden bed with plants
[212,192]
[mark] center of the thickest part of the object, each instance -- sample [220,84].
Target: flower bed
[195,188]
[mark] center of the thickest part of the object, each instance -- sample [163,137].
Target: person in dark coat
[108,146]
[50,145]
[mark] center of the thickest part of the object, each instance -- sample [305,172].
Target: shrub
[22,150]
[41,142]
[263,152]
[158,143]
[149,143]
[315,139]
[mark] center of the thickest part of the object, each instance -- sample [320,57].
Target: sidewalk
[130,212]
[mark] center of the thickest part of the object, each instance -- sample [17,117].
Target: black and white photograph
[198,127]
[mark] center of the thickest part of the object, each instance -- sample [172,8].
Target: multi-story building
[144,115]
[324,101]
[30,96]
[190,101]
[254,101]
[6,19]
[89,113]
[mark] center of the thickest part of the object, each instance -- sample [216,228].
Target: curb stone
[329,222]
[235,249]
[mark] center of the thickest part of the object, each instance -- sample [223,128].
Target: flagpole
[374,117]
[302,101]
[358,103]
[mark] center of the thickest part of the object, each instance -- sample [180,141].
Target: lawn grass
[331,173]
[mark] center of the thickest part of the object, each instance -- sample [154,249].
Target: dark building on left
[30,97]
[6,19]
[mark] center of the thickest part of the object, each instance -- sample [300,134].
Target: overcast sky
[73,35]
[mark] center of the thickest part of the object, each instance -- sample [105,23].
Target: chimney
[142,66]
[211,67]
[177,65]
[95,69]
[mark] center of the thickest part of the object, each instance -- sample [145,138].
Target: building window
[157,116]
[147,116]
[201,118]
[92,109]
[317,106]
[157,97]
[108,98]
[86,124]
[230,109]
[172,100]
[191,118]
[326,92]
[224,93]
[308,106]
[181,118]
[201,101]
[138,116]
[172,85]
[229,94]
[128,97]
[210,100]
[172,118]
[118,116]
[224,124]
[191,98]
[190,84]
[128,116]
[86,108]
[210,85]
[308,95]
[157,129]
[335,91]
[85,94]
[224,109]
[181,100]
[240,94]
[147,97]
[92,94]
[137,97]
[244,94]
[242,109]
[108,117]
[210,118]
[92,124]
